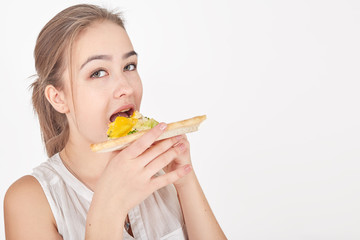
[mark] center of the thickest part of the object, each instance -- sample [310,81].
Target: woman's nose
[122,87]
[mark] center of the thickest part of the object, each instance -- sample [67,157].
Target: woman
[86,68]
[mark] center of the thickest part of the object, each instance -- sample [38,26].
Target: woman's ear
[56,98]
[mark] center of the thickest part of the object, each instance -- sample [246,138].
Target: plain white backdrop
[278,156]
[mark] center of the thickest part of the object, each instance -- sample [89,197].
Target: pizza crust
[173,129]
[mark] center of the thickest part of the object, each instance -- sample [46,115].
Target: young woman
[86,68]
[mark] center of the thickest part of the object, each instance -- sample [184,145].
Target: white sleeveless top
[157,217]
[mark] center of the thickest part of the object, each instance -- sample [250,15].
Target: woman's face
[104,80]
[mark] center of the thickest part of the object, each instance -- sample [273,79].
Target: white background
[278,156]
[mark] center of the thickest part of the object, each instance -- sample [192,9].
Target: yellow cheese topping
[121,126]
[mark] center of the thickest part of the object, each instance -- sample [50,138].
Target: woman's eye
[98,74]
[130,67]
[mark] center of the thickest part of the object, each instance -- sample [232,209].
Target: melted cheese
[121,127]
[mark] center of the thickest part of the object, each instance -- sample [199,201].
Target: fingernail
[163,126]
[181,146]
[179,137]
[188,168]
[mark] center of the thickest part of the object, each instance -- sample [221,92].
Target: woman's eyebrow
[96,57]
[107,57]
[129,54]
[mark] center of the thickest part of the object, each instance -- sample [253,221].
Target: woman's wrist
[104,221]
[185,182]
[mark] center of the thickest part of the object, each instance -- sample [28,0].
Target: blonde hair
[54,40]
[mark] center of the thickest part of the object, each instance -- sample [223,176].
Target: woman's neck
[84,164]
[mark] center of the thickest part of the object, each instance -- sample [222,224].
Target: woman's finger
[158,148]
[164,159]
[171,177]
[144,142]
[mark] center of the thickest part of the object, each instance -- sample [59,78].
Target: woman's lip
[122,108]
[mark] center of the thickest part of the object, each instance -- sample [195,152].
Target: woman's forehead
[101,38]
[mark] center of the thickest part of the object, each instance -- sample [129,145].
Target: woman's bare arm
[27,212]
[199,218]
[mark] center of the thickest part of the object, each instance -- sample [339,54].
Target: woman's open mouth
[128,112]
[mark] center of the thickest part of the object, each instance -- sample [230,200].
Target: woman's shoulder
[25,196]
[25,189]
[26,208]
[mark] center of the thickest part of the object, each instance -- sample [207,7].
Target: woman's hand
[129,177]
[182,160]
